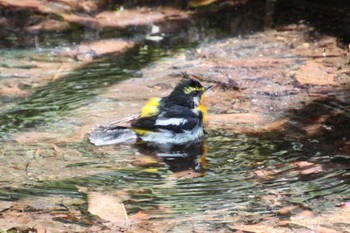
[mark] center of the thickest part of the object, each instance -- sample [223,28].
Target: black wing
[175,118]
[147,123]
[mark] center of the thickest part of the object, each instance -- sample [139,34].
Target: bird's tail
[108,135]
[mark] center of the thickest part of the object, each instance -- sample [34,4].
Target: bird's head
[188,93]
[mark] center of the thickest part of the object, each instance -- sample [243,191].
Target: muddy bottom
[276,155]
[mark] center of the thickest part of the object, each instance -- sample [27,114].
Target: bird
[176,119]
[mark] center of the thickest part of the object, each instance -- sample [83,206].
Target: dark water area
[76,89]
[236,177]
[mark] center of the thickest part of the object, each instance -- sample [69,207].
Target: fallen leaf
[316,73]
[264,174]
[287,210]
[102,47]
[314,129]
[107,207]
[40,229]
[306,168]
[4,205]
[33,4]
[276,125]
[139,216]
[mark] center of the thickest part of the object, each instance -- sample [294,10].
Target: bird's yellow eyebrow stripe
[188,90]
[150,108]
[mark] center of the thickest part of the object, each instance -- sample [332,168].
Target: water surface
[244,177]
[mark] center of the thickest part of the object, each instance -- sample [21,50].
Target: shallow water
[77,88]
[246,177]
[229,189]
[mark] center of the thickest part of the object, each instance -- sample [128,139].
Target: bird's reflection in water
[179,158]
[182,157]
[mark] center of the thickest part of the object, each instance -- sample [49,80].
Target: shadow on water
[326,18]
[324,122]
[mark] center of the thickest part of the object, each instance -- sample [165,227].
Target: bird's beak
[207,88]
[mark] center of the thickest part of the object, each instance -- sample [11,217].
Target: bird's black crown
[184,91]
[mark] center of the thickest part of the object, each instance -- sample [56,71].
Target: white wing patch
[171,121]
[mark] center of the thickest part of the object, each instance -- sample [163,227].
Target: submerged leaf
[107,207]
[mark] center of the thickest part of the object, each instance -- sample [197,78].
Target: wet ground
[277,154]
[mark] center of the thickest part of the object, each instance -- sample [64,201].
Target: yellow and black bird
[176,119]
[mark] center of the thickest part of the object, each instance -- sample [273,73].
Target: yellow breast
[202,109]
